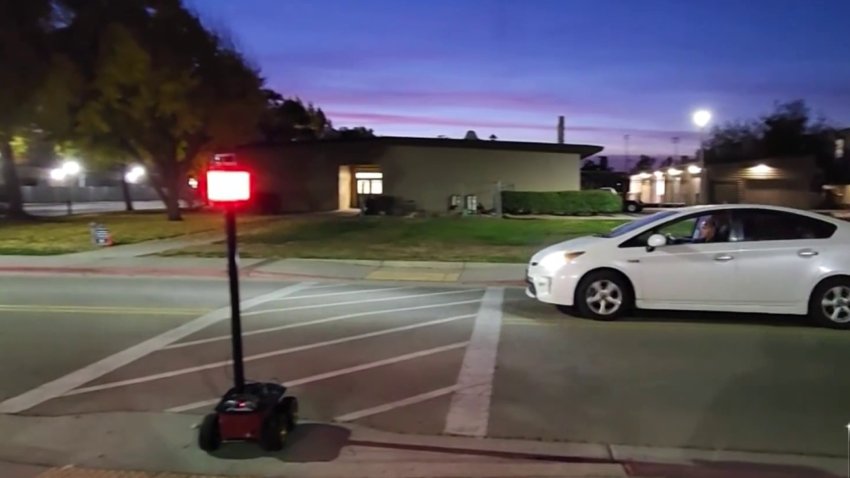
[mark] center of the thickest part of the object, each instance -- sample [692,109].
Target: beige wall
[428,176]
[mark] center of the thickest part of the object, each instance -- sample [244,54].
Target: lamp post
[701,118]
[68,171]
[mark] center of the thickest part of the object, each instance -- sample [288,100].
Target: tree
[24,62]
[354,133]
[172,91]
[644,163]
[589,165]
[667,162]
[603,163]
[493,137]
[287,119]
[787,131]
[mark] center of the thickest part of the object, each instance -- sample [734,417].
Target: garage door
[723,192]
[775,192]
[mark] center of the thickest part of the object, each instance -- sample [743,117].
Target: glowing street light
[701,118]
[135,174]
[71,168]
[67,171]
[57,174]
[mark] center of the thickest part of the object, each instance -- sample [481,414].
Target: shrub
[561,202]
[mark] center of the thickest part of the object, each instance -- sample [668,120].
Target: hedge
[561,202]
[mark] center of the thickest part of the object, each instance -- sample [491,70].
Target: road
[428,360]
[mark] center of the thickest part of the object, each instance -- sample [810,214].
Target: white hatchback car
[729,258]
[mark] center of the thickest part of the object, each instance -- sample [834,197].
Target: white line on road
[469,411]
[386,407]
[62,385]
[352,302]
[338,373]
[345,292]
[318,321]
[264,355]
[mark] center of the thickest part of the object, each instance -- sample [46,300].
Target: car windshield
[637,224]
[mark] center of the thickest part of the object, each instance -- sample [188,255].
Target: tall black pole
[235,320]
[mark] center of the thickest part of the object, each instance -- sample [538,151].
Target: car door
[780,257]
[685,274]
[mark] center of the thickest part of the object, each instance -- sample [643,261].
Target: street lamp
[134,175]
[67,171]
[701,118]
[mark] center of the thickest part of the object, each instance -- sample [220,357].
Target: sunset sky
[510,67]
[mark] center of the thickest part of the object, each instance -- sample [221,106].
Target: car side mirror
[655,240]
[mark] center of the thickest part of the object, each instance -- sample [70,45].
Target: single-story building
[432,174]
[793,182]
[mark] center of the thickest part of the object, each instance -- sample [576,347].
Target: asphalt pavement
[427,359]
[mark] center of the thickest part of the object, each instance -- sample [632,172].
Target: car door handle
[723,257]
[807,253]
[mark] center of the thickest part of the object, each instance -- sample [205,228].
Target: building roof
[583,150]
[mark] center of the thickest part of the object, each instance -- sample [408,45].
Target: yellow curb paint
[413,275]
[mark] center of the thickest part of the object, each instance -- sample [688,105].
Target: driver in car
[707,231]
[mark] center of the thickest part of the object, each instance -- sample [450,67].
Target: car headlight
[553,261]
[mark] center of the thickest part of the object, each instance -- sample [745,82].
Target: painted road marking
[364,301]
[264,355]
[386,407]
[469,411]
[73,309]
[318,321]
[356,291]
[338,373]
[63,385]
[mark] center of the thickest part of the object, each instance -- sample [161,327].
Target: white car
[729,258]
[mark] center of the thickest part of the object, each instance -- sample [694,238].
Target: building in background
[792,182]
[675,185]
[429,174]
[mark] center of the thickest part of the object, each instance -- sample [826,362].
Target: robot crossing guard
[250,411]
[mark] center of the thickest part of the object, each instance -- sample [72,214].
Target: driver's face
[707,229]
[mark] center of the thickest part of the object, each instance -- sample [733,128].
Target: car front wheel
[603,295]
[830,304]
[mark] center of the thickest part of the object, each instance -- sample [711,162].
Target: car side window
[687,230]
[767,225]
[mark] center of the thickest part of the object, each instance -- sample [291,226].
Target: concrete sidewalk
[99,445]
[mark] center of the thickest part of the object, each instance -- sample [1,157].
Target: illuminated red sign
[228,185]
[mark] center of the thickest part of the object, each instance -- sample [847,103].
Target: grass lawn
[390,238]
[45,236]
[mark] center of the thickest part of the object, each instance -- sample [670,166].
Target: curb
[213,273]
[357,451]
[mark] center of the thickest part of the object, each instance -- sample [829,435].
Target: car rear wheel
[830,304]
[603,295]
[632,207]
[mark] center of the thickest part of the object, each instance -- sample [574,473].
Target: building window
[369,182]
[839,148]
